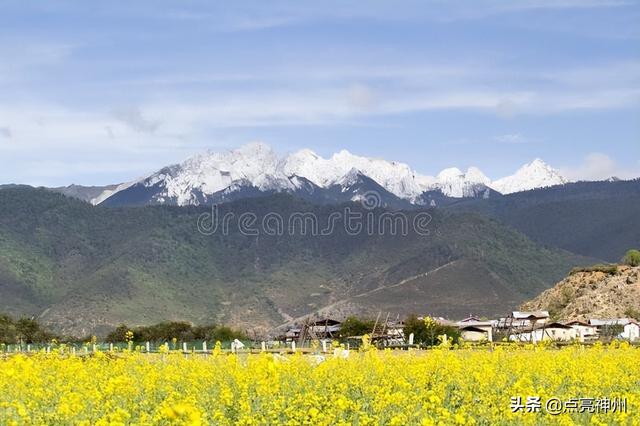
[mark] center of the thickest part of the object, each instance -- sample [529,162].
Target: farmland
[437,386]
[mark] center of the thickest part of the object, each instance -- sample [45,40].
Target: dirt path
[334,305]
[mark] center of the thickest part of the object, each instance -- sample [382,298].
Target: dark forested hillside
[85,269]
[597,219]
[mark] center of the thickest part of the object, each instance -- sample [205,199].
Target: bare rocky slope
[596,292]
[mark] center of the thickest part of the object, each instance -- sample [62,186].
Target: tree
[427,331]
[217,333]
[118,335]
[632,258]
[611,331]
[23,330]
[29,331]
[353,326]
[168,331]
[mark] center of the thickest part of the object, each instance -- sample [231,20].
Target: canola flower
[463,386]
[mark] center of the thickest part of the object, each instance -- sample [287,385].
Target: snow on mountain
[395,177]
[208,173]
[256,167]
[454,183]
[536,174]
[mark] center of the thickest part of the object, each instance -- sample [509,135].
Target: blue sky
[103,92]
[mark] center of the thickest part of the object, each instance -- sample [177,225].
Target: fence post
[110,347]
[264,347]
[324,346]
[184,347]
[147,347]
[204,347]
[293,345]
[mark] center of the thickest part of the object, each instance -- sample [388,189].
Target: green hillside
[85,269]
[596,219]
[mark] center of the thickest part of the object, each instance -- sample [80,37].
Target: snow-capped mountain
[198,179]
[395,177]
[256,169]
[454,183]
[536,174]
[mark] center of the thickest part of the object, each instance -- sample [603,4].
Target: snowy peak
[211,172]
[255,168]
[454,183]
[536,174]
[395,177]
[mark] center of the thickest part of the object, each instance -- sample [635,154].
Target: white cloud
[598,166]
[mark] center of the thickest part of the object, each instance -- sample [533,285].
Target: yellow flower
[456,386]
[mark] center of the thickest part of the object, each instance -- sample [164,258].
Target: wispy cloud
[174,116]
[176,77]
[599,166]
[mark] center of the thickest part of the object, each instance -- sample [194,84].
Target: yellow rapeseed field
[441,386]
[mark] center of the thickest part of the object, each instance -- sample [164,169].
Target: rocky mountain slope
[593,293]
[85,193]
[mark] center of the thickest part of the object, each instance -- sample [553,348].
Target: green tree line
[22,330]
[179,330]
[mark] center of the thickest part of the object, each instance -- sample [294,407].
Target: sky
[96,93]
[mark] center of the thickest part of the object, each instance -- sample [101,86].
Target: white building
[584,331]
[523,319]
[472,326]
[630,328]
[552,331]
[631,332]
[471,333]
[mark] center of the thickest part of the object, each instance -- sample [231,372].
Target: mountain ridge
[204,177]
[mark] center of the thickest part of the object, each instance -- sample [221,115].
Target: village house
[631,331]
[471,333]
[522,320]
[554,331]
[473,329]
[630,328]
[324,328]
[291,334]
[584,331]
[395,333]
[528,319]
